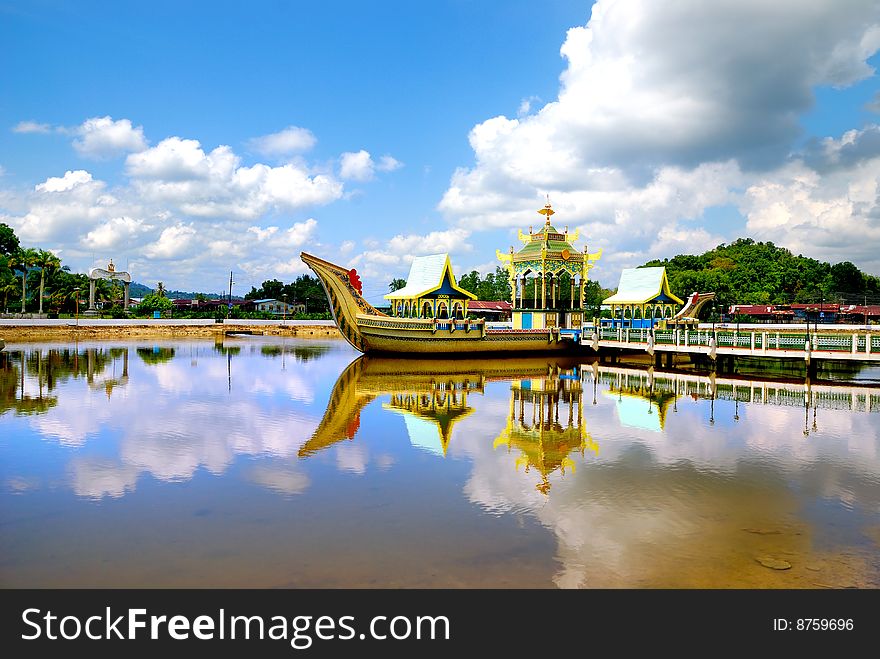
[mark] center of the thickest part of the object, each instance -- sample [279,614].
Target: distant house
[762,312]
[858,313]
[809,313]
[490,310]
[277,307]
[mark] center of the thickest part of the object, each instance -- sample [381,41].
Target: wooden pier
[723,346]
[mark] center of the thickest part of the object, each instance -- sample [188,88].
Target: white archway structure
[109,273]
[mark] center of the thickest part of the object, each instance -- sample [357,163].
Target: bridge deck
[858,346]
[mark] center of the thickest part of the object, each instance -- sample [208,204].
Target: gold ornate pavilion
[548,256]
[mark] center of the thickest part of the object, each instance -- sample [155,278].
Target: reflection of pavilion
[534,427]
[639,404]
[430,415]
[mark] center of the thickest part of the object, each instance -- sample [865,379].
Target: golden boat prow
[369,330]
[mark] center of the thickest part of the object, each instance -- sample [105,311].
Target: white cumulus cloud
[70,180]
[664,110]
[356,166]
[31,127]
[102,137]
[292,139]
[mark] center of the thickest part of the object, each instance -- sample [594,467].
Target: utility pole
[229,304]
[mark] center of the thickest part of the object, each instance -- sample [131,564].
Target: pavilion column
[126,286]
[91,295]
[572,292]
[543,290]
[553,291]
[534,292]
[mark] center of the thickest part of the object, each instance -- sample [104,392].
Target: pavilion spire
[547,211]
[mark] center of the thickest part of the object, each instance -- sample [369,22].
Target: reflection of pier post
[90,364]
[125,363]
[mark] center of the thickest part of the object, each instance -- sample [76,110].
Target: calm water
[291,463]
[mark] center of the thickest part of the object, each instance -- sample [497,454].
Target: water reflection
[564,473]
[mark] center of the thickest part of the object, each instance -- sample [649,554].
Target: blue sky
[421,127]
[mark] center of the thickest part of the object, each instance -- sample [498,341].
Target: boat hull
[439,338]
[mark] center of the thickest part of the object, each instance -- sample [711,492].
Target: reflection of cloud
[96,478]
[22,484]
[352,457]
[384,462]
[279,479]
[173,418]
[670,508]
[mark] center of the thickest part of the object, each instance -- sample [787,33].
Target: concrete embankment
[22,330]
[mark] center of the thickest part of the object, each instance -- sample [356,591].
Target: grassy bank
[26,333]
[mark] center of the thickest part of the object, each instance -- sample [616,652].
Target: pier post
[855,343]
[868,343]
[753,342]
[763,341]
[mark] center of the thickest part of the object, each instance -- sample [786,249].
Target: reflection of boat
[369,330]
[429,401]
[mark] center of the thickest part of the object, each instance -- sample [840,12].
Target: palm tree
[160,289]
[6,289]
[46,261]
[23,259]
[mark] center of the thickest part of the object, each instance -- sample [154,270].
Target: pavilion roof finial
[547,211]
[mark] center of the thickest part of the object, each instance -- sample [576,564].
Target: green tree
[154,302]
[273,289]
[46,261]
[160,289]
[6,288]
[23,259]
[501,289]
[749,272]
[396,284]
[470,282]
[8,240]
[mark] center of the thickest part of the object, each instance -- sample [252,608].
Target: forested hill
[746,272]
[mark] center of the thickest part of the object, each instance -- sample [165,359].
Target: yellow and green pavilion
[430,291]
[545,257]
